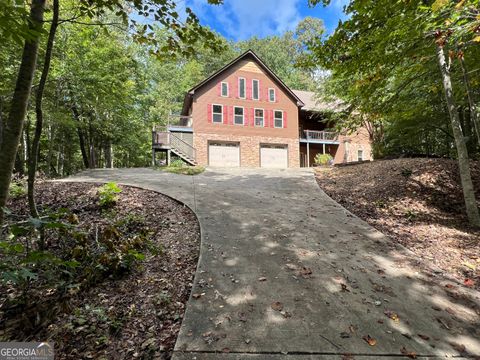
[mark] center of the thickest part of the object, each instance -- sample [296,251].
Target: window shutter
[230,118]
[219,89]
[285,119]
[209,113]
[272,119]
[225,114]
[249,90]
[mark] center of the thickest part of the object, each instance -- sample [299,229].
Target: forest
[82,84]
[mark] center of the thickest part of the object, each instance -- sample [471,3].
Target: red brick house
[244,115]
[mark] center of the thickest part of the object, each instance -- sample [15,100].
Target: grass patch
[179,167]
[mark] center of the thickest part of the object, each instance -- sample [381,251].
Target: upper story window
[217,113]
[272,97]
[224,89]
[259,119]
[360,155]
[239,116]
[255,89]
[241,88]
[278,119]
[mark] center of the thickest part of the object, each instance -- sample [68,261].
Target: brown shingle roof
[314,103]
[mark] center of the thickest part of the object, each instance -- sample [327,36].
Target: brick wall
[350,144]
[249,147]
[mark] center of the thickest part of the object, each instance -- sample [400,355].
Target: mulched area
[139,314]
[417,202]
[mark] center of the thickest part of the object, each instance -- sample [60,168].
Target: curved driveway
[287,273]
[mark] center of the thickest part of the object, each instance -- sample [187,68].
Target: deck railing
[169,140]
[318,135]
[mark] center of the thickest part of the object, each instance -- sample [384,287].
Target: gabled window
[255,89]
[278,119]
[360,155]
[217,114]
[239,115]
[224,89]
[241,88]
[272,97]
[259,117]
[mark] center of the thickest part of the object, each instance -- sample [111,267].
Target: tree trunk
[463,161]
[81,138]
[33,161]
[471,103]
[108,154]
[18,108]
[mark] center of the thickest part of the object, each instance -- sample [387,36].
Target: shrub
[177,163]
[323,159]
[108,194]
[16,190]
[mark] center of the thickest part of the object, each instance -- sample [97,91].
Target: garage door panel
[224,155]
[274,156]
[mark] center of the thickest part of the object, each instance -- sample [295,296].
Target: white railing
[318,135]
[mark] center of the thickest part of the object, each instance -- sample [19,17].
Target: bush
[323,159]
[177,163]
[108,194]
[16,190]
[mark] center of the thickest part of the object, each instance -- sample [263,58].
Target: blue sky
[242,19]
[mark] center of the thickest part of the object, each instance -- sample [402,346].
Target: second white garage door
[224,154]
[274,156]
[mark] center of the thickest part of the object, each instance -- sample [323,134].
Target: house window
[360,155]
[278,119]
[224,89]
[259,117]
[241,88]
[255,89]
[238,116]
[271,95]
[217,111]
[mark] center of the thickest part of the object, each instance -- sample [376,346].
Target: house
[245,115]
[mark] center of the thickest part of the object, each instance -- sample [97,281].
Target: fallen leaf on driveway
[344,288]
[196,296]
[305,272]
[469,282]
[370,341]
[262,279]
[291,266]
[242,317]
[286,314]
[459,347]
[344,335]
[410,354]
[424,337]
[450,311]
[392,315]
[277,306]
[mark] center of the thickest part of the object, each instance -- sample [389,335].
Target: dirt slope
[417,202]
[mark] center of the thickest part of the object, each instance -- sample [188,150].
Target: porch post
[168,157]
[308,153]
[324,148]
[153,157]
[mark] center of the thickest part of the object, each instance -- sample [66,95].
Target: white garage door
[274,156]
[224,154]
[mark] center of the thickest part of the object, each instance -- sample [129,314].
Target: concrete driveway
[287,273]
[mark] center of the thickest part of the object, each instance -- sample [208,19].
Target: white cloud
[242,19]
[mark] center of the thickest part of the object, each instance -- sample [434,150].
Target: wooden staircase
[165,140]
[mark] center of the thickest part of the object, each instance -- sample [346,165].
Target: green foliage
[182,168]
[108,194]
[323,159]
[17,190]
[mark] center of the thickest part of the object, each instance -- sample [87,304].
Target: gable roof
[247,54]
[313,103]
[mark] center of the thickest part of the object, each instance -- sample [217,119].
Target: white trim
[358,157]
[217,122]
[258,89]
[221,89]
[283,120]
[255,117]
[244,88]
[243,115]
[274,95]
